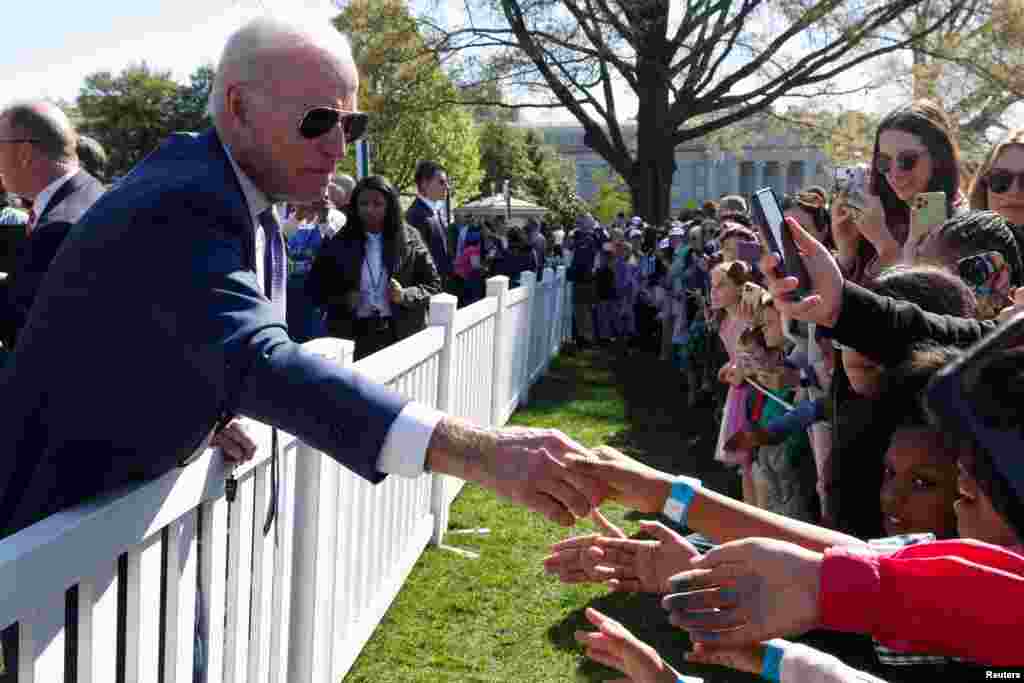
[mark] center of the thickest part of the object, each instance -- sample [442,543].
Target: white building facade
[782,161]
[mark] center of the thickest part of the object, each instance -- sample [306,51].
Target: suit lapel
[60,195]
[215,148]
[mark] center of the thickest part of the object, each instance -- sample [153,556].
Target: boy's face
[975,516]
[919,485]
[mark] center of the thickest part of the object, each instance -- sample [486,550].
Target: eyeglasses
[905,161]
[318,121]
[1000,180]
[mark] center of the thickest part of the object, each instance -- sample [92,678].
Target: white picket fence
[125,583]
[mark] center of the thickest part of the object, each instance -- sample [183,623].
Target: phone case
[929,211]
[792,264]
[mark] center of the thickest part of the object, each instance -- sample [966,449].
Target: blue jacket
[149,329]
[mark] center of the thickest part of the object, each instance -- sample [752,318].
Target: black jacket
[425,220]
[884,329]
[34,253]
[337,271]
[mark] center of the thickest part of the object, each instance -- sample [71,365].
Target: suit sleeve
[426,280]
[270,378]
[883,328]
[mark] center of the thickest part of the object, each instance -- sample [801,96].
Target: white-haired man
[171,286]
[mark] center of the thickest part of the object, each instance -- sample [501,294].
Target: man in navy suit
[432,186]
[39,162]
[152,325]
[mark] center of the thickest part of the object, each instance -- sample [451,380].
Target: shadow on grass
[643,616]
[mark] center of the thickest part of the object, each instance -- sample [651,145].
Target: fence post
[558,324]
[497,286]
[528,281]
[550,317]
[442,312]
[311,629]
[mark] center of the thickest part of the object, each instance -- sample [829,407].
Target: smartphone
[929,210]
[977,270]
[748,251]
[853,187]
[768,213]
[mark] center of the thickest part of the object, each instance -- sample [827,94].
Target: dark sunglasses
[978,269]
[318,121]
[905,161]
[1000,180]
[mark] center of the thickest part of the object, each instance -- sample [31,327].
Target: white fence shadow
[144,582]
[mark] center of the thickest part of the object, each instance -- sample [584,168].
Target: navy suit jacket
[36,252]
[423,218]
[151,327]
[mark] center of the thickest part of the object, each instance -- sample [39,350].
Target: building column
[758,174]
[711,184]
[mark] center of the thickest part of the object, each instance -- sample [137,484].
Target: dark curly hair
[977,232]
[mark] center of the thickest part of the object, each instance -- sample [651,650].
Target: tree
[128,114]
[723,61]
[412,101]
[971,66]
[504,155]
[133,112]
[611,198]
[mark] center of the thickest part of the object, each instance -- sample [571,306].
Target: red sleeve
[958,598]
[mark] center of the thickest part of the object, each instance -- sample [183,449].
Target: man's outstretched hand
[526,466]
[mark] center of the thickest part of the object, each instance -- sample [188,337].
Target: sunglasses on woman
[1000,180]
[318,121]
[905,161]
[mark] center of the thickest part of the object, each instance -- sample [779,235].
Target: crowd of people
[872,413]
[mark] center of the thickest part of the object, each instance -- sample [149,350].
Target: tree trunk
[650,179]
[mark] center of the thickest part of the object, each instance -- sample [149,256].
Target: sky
[178,35]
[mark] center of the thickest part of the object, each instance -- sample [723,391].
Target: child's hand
[613,645]
[645,566]
[579,559]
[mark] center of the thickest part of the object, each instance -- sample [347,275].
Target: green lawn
[499,617]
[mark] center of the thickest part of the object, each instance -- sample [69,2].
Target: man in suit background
[39,162]
[170,290]
[432,187]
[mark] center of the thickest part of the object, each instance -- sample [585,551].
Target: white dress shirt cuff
[405,447]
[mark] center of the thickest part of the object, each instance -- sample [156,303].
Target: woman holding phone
[999,183]
[915,152]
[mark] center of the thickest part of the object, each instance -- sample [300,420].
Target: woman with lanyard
[375,277]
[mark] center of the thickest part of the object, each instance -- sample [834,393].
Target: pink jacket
[958,598]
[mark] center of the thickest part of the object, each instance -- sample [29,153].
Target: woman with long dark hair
[375,277]
[915,151]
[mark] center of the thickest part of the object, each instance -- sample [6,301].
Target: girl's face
[919,485]
[724,292]
[975,516]
[901,150]
[1009,204]
[373,209]
[865,374]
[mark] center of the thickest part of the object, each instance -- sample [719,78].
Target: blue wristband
[771,668]
[678,502]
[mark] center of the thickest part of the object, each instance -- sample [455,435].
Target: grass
[499,617]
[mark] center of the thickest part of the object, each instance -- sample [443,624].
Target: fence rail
[153,582]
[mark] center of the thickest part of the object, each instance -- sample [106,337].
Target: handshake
[730,600]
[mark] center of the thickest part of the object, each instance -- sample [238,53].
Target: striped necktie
[274,261]
[274,267]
